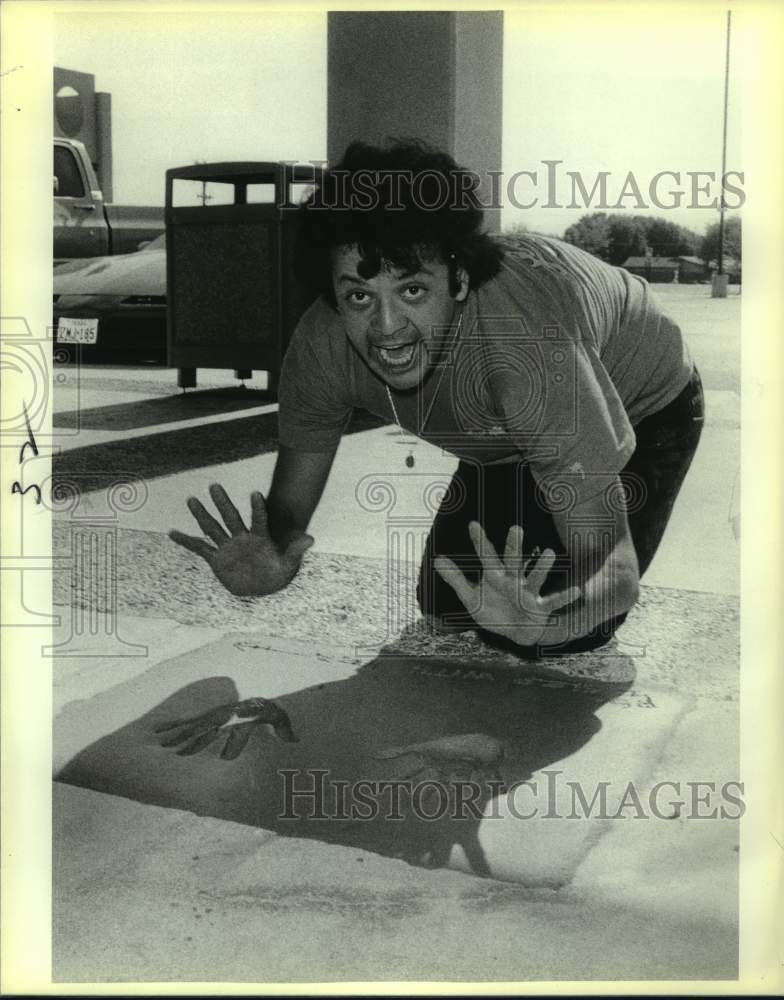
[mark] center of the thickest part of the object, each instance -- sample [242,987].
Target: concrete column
[432,75]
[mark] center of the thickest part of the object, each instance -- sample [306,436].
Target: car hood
[141,273]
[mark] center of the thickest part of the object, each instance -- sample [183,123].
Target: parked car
[113,306]
[84,225]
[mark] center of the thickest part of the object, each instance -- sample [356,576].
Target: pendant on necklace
[410,460]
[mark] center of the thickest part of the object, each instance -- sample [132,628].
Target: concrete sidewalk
[157,879]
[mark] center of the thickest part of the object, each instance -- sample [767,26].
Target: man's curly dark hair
[398,205]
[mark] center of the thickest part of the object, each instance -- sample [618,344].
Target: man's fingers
[535,579]
[554,602]
[258,514]
[197,545]
[227,510]
[199,742]
[454,577]
[236,743]
[211,528]
[485,549]
[182,734]
[513,550]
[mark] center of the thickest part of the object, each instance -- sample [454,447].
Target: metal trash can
[232,297]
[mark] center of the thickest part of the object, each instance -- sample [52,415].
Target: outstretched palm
[248,563]
[508,598]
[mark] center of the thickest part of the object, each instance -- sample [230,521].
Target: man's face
[396,321]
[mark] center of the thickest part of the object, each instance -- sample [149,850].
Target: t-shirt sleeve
[564,413]
[557,399]
[601,439]
[313,401]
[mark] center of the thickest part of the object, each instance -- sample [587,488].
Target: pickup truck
[84,225]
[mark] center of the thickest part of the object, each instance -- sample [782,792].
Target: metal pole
[724,147]
[203,197]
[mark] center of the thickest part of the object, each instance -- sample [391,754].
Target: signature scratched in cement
[469,752]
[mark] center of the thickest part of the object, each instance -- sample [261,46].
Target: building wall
[85,115]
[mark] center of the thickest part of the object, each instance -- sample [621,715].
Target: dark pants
[499,496]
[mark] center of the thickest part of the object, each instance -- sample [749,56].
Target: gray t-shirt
[555,361]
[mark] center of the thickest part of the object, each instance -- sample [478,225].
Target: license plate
[77,330]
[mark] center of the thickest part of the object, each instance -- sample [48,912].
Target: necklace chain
[410,456]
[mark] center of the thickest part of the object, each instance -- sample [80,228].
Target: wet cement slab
[148,890]
[452,761]
[151,885]
[143,893]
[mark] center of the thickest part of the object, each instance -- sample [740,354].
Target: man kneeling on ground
[568,395]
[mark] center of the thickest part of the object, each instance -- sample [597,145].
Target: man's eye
[415,291]
[357,298]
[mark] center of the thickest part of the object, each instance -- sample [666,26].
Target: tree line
[615,238]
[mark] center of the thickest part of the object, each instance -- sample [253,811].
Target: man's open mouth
[398,358]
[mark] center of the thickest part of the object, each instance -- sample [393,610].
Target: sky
[598,90]
[604,90]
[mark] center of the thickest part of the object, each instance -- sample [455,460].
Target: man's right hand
[247,563]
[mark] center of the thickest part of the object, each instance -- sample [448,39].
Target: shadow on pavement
[368,728]
[162,410]
[150,456]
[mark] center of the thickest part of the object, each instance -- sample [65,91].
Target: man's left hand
[507,600]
